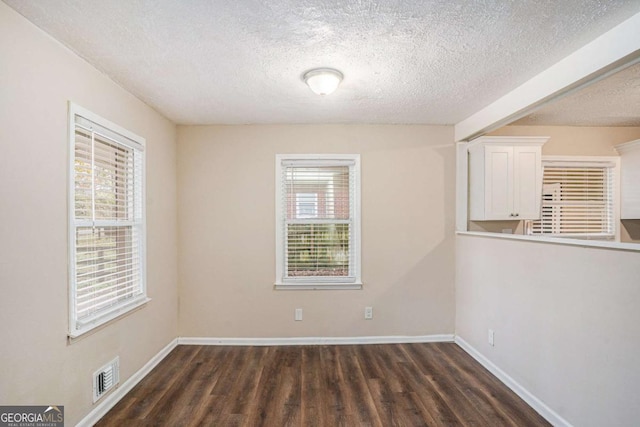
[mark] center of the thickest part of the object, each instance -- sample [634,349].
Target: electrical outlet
[491,337]
[368,313]
[298,314]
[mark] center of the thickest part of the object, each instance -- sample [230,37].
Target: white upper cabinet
[629,179]
[505,177]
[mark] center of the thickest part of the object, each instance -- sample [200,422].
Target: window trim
[76,327]
[315,283]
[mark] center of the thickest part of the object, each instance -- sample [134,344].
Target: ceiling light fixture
[323,81]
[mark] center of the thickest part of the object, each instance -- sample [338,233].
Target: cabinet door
[527,182]
[498,182]
[630,177]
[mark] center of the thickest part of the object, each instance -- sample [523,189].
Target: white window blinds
[318,220]
[577,200]
[107,271]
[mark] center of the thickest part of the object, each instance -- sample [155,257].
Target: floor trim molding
[549,414]
[112,399]
[393,339]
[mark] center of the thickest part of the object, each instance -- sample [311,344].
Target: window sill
[317,286]
[108,317]
[635,247]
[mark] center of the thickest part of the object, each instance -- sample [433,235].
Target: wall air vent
[105,378]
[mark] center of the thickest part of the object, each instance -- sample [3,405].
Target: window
[577,199]
[318,222]
[106,218]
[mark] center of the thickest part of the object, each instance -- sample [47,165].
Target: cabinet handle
[517,214]
[511,214]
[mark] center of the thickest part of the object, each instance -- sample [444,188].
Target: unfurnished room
[320,213]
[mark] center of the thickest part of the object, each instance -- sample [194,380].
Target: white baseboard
[112,399]
[540,407]
[315,340]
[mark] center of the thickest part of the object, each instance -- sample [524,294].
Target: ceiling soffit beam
[607,54]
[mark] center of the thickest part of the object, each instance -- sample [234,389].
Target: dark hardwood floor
[368,385]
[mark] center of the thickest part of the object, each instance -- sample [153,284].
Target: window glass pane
[576,201]
[107,267]
[318,250]
[113,180]
[317,192]
[104,178]
[83,175]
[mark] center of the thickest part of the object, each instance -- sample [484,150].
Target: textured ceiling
[614,101]
[225,61]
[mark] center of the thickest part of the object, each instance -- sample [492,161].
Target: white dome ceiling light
[323,81]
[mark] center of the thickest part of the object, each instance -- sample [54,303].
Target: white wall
[566,322]
[227,232]
[37,364]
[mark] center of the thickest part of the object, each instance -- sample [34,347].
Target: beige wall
[37,364]
[226,177]
[575,140]
[564,336]
[565,318]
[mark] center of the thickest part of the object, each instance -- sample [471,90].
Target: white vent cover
[105,378]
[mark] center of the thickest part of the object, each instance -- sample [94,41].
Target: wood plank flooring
[369,385]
